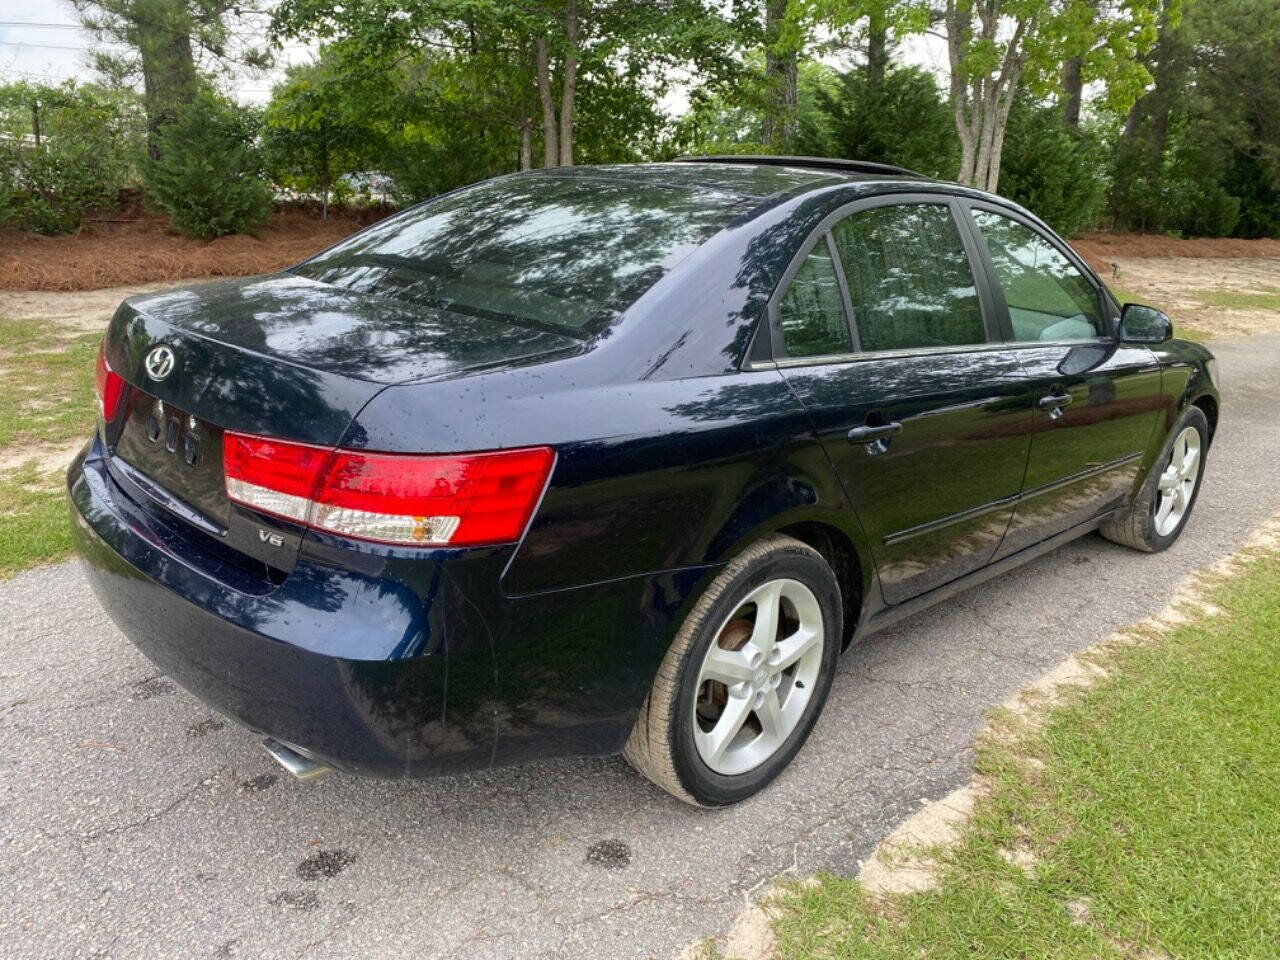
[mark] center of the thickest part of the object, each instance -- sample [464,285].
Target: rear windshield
[562,253]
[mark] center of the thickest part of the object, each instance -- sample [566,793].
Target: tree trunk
[1131,120]
[997,140]
[877,49]
[779,128]
[326,181]
[569,83]
[960,96]
[526,136]
[550,142]
[1072,91]
[168,67]
[982,105]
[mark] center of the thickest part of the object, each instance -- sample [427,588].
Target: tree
[782,42]
[312,134]
[898,118]
[163,39]
[1200,151]
[1052,168]
[996,47]
[208,176]
[65,151]
[549,52]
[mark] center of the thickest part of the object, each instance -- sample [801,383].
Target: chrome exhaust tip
[301,768]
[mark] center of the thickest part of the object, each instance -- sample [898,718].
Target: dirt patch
[1218,297]
[146,250]
[751,935]
[47,458]
[902,863]
[86,311]
[1101,250]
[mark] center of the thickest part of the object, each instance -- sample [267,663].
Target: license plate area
[171,462]
[178,453]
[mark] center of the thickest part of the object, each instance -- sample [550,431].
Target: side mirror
[1143,324]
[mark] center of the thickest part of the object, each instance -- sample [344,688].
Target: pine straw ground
[141,248]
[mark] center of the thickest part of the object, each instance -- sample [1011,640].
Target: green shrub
[89,137]
[1257,184]
[209,174]
[904,121]
[1057,173]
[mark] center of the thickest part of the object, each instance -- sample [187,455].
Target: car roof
[745,177]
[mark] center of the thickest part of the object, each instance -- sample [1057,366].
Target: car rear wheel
[1162,507]
[745,678]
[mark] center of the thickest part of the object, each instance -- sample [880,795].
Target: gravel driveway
[135,823]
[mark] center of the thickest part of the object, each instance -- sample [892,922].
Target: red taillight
[421,500]
[272,475]
[110,387]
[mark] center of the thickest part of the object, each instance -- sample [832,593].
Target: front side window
[812,311]
[909,278]
[1048,298]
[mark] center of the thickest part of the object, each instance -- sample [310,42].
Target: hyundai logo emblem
[159,362]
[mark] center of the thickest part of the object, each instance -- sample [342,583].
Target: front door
[1096,401]
[923,416]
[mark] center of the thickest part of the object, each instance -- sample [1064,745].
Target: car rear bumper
[351,664]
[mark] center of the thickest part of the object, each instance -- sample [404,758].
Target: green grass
[1236,300]
[46,388]
[33,521]
[1124,296]
[46,398]
[1157,808]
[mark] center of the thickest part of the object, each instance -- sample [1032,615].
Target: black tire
[1136,527]
[661,745]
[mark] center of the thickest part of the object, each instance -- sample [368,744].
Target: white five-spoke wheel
[758,676]
[742,683]
[1178,482]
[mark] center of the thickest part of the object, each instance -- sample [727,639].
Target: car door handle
[869,434]
[1055,401]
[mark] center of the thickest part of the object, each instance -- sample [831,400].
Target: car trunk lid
[280,357]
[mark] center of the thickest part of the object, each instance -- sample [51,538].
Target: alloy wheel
[758,676]
[1178,482]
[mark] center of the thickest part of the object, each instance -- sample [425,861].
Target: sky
[42,40]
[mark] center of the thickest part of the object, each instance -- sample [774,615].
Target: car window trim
[981,282]
[774,307]
[855,339]
[873,355]
[968,205]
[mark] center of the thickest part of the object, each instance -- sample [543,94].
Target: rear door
[892,347]
[1096,400]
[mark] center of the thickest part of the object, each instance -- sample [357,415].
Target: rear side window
[812,311]
[561,253]
[1048,298]
[909,278]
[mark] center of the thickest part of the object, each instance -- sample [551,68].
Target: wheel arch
[840,546]
[838,549]
[1208,405]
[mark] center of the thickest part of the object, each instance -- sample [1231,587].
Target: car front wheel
[745,678]
[1162,507]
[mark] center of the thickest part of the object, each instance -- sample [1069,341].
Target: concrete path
[134,823]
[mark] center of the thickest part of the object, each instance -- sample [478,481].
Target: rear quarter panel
[650,476]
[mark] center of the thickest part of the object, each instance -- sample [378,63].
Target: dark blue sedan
[595,459]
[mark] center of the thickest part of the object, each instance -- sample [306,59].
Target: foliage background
[1147,115]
